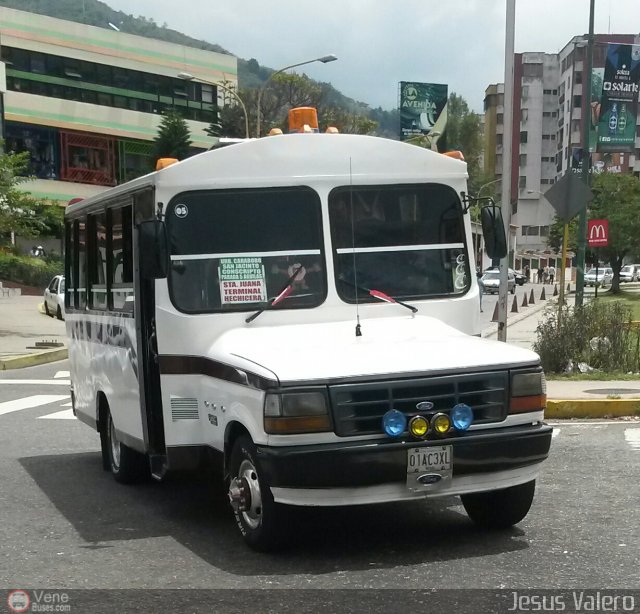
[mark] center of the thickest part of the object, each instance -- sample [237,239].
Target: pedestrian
[526,272]
[545,275]
[552,274]
[540,272]
[480,286]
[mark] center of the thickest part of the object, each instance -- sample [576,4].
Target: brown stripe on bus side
[199,365]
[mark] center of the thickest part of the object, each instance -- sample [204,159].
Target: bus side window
[121,259]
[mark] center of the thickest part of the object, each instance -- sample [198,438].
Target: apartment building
[86,102]
[549,101]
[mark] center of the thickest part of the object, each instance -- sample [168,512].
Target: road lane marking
[632,437]
[37,382]
[65,414]
[30,402]
[60,374]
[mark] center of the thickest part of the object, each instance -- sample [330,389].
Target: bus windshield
[235,250]
[404,240]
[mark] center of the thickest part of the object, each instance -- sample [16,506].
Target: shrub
[598,334]
[27,270]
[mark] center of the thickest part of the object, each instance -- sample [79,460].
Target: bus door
[149,371]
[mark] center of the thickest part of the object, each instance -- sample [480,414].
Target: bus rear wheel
[127,465]
[259,518]
[500,509]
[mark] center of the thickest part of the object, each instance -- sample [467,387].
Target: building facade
[86,102]
[548,106]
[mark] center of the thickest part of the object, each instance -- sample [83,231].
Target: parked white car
[54,298]
[630,272]
[491,281]
[604,276]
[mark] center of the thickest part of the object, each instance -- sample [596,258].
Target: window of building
[577,102]
[39,142]
[135,159]
[532,70]
[499,139]
[578,78]
[499,118]
[524,230]
[523,160]
[522,182]
[544,181]
[524,115]
[523,136]
[87,158]
[546,91]
[544,231]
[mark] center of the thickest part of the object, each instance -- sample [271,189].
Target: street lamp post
[324,59]
[482,187]
[189,77]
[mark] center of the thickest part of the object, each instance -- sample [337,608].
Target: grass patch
[627,299]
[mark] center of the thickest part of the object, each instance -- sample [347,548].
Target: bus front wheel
[259,518]
[127,465]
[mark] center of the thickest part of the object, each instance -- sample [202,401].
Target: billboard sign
[616,114]
[598,233]
[421,105]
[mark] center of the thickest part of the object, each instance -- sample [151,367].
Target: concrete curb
[592,408]
[37,358]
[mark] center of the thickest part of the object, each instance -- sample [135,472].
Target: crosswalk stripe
[30,402]
[65,414]
[632,436]
[37,382]
[60,374]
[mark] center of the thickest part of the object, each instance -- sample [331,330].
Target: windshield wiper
[283,294]
[381,296]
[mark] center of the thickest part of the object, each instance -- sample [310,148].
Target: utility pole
[507,140]
[586,161]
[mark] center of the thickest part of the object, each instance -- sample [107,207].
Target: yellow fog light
[441,424]
[418,426]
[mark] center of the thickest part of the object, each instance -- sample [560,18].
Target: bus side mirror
[495,240]
[154,249]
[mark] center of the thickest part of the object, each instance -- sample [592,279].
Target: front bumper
[510,455]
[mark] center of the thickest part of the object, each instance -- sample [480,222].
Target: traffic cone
[568,288]
[514,306]
[542,295]
[524,300]
[495,314]
[555,290]
[532,301]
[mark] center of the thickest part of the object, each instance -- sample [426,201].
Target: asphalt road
[66,523]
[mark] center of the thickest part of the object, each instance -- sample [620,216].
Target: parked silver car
[630,272]
[604,276]
[491,281]
[54,298]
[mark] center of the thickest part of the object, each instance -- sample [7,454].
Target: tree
[617,199]
[18,209]
[173,139]
[463,132]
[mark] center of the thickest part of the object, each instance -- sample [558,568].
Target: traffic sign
[598,233]
[568,195]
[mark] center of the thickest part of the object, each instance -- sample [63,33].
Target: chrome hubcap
[245,496]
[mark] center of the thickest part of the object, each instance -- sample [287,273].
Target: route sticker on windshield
[242,280]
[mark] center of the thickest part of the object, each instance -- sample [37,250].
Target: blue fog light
[394,423]
[461,416]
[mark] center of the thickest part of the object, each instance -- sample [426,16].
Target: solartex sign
[615,114]
[598,233]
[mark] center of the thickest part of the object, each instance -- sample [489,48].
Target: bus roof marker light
[461,416]
[394,423]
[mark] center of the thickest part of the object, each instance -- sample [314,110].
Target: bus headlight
[528,392]
[286,413]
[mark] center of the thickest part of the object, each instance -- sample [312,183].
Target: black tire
[262,522]
[59,313]
[46,308]
[128,466]
[500,509]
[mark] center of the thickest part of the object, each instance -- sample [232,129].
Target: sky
[381,42]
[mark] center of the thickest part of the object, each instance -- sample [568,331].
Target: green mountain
[250,73]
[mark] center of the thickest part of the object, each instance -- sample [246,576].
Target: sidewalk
[22,326]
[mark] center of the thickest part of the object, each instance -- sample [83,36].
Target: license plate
[429,467]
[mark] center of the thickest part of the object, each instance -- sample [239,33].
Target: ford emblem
[424,406]
[429,478]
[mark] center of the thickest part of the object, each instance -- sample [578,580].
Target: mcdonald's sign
[598,233]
